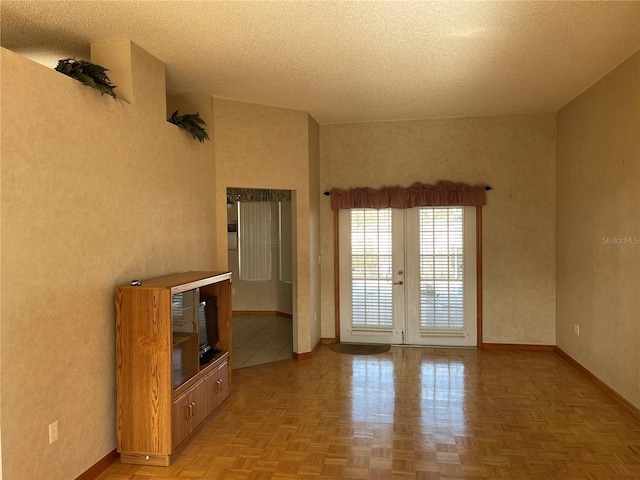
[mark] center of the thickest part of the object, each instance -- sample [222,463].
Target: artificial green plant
[88,73]
[192,123]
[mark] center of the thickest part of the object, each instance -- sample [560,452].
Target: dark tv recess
[208,325]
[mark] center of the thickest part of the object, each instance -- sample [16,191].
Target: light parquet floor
[411,413]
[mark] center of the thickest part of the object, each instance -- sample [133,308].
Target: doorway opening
[260,256]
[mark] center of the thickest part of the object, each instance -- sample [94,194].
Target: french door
[408,276]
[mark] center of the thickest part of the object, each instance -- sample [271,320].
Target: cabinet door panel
[210,388]
[223,376]
[198,398]
[180,417]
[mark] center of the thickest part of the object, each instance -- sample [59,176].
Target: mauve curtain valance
[443,193]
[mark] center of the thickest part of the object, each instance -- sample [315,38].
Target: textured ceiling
[351,61]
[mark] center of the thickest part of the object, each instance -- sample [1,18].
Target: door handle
[399,283]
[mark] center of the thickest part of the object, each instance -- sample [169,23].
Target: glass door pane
[441,262]
[370,257]
[441,291]
[184,319]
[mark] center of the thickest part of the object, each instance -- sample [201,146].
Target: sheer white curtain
[254,240]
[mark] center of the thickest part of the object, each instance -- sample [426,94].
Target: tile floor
[258,339]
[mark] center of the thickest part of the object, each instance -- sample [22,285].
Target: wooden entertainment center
[164,389]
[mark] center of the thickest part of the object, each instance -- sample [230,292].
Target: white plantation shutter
[371,270]
[254,241]
[441,270]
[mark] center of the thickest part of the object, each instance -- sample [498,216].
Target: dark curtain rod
[329,193]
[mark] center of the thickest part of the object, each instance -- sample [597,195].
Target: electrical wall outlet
[576,328]
[53,432]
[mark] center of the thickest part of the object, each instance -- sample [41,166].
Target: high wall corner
[139,76]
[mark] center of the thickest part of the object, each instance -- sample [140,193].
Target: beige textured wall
[314,229]
[284,303]
[599,229]
[94,193]
[513,154]
[267,147]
